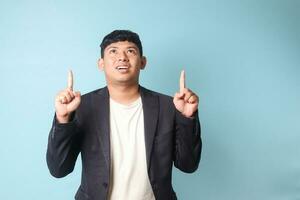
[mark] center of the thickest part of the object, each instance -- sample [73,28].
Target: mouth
[122,68]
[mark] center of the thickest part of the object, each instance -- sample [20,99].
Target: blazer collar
[102,120]
[100,104]
[150,110]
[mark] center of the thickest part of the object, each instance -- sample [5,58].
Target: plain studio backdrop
[241,57]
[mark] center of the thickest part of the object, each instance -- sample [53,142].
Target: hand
[185,101]
[66,101]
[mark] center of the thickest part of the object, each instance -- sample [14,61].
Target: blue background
[241,58]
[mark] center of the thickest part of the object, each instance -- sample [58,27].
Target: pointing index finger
[70,80]
[182,81]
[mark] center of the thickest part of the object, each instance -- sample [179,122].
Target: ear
[143,62]
[100,63]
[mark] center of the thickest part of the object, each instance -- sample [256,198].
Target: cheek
[136,62]
[108,64]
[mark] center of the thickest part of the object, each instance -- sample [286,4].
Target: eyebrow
[130,47]
[111,47]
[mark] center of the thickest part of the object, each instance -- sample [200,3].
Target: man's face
[122,63]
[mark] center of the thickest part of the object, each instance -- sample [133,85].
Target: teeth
[122,67]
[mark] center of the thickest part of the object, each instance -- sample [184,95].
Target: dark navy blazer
[169,138]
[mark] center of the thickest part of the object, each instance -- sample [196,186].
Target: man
[128,136]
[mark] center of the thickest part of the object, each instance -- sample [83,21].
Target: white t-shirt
[129,178]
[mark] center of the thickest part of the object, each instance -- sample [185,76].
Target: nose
[123,57]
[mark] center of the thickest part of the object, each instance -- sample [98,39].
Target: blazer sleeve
[187,142]
[63,147]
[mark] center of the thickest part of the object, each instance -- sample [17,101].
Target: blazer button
[105,185]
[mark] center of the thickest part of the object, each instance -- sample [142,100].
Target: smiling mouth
[121,67]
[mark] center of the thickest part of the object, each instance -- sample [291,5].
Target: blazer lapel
[101,105]
[150,109]
[101,120]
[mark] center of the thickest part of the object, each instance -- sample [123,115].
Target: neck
[124,94]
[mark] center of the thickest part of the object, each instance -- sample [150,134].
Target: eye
[132,51]
[112,51]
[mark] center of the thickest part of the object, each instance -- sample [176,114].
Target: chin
[126,81]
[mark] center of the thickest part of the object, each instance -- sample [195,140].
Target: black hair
[119,36]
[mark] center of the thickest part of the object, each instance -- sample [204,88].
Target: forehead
[122,44]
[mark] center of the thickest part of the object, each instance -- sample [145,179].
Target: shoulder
[155,93]
[100,91]
[89,103]
[163,98]
[89,99]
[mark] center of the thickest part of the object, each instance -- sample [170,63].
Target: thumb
[178,95]
[74,104]
[77,94]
